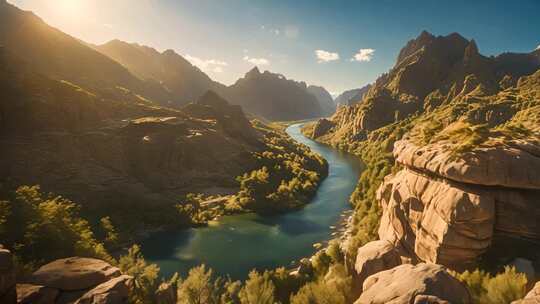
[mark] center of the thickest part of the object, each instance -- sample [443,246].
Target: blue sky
[314,41]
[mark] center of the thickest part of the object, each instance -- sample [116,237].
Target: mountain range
[165,78]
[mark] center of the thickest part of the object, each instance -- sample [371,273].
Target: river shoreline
[233,245]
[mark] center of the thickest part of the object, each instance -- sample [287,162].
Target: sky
[337,44]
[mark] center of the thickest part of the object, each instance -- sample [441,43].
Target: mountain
[62,57]
[451,143]
[183,80]
[353,96]
[273,96]
[431,71]
[326,101]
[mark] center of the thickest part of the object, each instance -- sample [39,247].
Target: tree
[258,289]
[144,275]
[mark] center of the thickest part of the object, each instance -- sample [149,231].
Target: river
[236,244]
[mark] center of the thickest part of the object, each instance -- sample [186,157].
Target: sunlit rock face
[405,284]
[76,280]
[449,210]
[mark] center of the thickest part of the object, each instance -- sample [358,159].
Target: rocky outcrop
[322,126]
[74,273]
[75,280]
[533,297]
[372,258]
[405,284]
[7,277]
[449,210]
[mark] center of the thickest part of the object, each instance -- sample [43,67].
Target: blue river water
[234,245]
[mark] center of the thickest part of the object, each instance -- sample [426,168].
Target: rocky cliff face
[450,211]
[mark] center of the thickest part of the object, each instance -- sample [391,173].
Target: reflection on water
[236,244]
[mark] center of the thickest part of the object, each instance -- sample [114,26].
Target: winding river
[236,244]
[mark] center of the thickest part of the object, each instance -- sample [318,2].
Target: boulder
[8,293]
[533,297]
[74,273]
[114,291]
[36,294]
[374,257]
[405,284]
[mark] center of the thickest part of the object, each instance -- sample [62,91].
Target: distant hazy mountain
[353,96]
[326,101]
[274,97]
[62,57]
[183,80]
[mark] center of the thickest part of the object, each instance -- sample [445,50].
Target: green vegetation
[288,177]
[502,288]
[40,227]
[144,275]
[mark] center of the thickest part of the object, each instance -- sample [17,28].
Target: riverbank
[234,245]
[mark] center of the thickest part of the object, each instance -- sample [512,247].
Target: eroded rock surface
[533,297]
[405,284]
[375,257]
[74,273]
[448,210]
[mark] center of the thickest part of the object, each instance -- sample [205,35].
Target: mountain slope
[326,102]
[184,81]
[273,96]
[60,56]
[451,140]
[353,96]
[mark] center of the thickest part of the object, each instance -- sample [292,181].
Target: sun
[70,8]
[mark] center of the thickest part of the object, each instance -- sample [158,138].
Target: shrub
[502,288]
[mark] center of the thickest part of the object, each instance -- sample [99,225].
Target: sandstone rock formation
[533,297]
[405,284]
[75,280]
[74,273]
[448,210]
[374,257]
[7,277]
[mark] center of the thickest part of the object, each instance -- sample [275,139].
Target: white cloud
[256,61]
[538,47]
[108,25]
[207,65]
[324,56]
[363,55]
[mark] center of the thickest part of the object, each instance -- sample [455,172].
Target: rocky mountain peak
[471,50]
[253,73]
